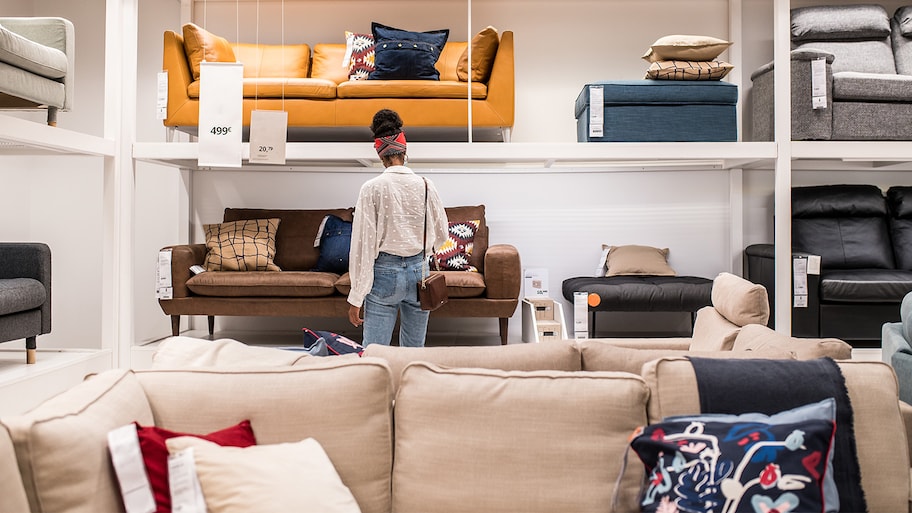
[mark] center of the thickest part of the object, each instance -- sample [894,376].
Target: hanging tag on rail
[818,83]
[221,114]
[268,134]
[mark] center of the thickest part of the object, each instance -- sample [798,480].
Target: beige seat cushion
[712,331]
[739,300]
[880,435]
[179,352]
[755,337]
[562,355]
[510,441]
[599,356]
[62,445]
[343,404]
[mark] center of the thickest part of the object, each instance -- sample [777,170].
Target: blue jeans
[395,292]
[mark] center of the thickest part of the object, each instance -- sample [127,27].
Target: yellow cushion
[273,61]
[247,245]
[327,62]
[201,45]
[484,49]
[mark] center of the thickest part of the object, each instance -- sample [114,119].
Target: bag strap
[425,270]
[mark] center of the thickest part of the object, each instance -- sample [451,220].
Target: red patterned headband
[390,145]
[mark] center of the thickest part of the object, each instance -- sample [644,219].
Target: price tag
[186,492]
[221,114]
[800,278]
[818,83]
[268,131]
[163,284]
[596,111]
[161,100]
[126,457]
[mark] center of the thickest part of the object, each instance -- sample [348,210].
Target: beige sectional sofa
[458,437]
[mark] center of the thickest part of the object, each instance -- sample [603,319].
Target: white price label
[221,114]
[818,83]
[596,111]
[268,131]
[161,100]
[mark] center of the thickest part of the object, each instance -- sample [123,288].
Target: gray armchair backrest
[901,37]
[857,35]
[56,33]
[29,260]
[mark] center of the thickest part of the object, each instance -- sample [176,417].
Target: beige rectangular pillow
[344,404]
[635,260]
[880,436]
[740,301]
[512,441]
[62,444]
[599,356]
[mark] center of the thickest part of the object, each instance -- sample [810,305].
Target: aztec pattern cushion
[247,245]
[703,464]
[404,55]
[152,441]
[484,49]
[456,253]
[688,70]
[201,45]
[359,55]
[686,47]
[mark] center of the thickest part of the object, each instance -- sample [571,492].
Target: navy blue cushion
[335,243]
[404,55]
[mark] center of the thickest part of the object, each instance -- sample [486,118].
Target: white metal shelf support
[783,170]
[121,28]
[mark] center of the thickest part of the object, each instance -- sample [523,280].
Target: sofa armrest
[501,84]
[905,411]
[29,260]
[182,258]
[503,272]
[807,123]
[174,61]
[760,260]
[57,33]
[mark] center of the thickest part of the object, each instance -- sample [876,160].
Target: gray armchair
[37,64]
[25,293]
[896,348]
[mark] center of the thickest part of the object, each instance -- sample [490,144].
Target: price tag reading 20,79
[221,114]
[268,134]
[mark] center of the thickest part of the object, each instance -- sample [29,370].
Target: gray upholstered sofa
[36,64]
[868,64]
[896,348]
[25,293]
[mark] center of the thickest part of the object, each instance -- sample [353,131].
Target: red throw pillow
[456,253]
[155,454]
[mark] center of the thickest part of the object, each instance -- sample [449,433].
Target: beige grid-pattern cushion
[344,404]
[880,435]
[247,245]
[688,70]
[510,441]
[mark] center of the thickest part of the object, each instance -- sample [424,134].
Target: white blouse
[389,217]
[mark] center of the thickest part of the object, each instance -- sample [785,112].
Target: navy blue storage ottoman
[661,111]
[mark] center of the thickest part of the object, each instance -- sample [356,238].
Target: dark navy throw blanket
[770,386]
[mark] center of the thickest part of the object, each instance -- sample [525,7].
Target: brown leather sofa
[314,89]
[296,291]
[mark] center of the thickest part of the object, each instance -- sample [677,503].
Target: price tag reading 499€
[221,114]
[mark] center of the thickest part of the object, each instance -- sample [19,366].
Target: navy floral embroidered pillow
[725,467]
[456,252]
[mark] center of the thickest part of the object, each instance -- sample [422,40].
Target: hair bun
[386,122]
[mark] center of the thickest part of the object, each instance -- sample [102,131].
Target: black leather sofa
[864,240]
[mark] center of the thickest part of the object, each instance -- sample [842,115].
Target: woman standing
[387,257]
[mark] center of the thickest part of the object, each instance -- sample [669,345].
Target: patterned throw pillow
[456,252]
[707,465]
[688,70]
[247,245]
[359,55]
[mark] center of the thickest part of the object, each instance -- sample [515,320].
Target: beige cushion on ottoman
[560,355]
[880,435]
[10,484]
[755,337]
[343,404]
[511,441]
[599,356]
[62,445]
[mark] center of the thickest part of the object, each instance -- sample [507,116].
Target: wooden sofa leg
[175,325]
[31,350]
[52,116]
[211,320]
[504,324]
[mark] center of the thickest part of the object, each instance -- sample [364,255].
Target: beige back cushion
[880,435]
[712,331]
[273,61]
[62,445]
[509,441]
[600,356]
[755,337]
[10,485]
[344,404]
[179,352]
[739,300]
[560,355]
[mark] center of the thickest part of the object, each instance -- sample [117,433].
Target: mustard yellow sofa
[318,94]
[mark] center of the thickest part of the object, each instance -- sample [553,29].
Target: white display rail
[598,157]
[24,137]
[26,386]
[853,155]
